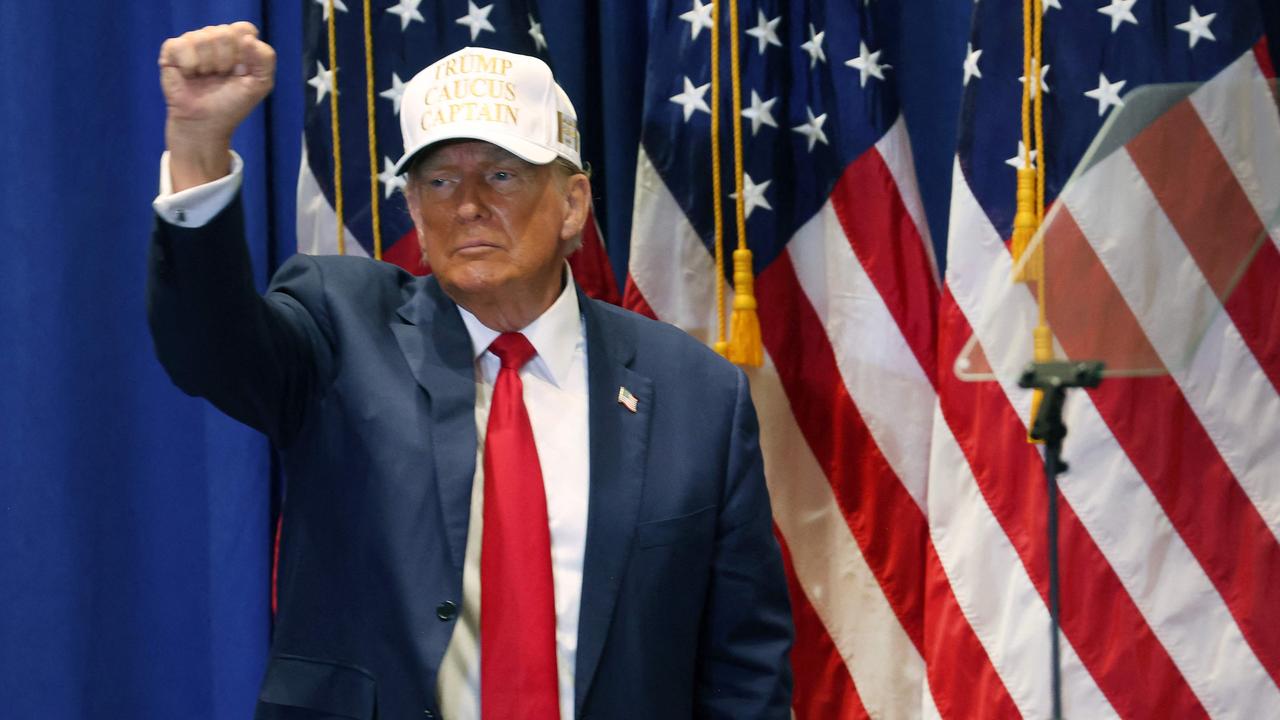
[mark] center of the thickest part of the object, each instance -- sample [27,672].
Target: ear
[577,199]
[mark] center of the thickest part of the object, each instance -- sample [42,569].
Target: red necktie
[517,598]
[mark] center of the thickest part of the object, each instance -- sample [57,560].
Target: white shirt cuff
[195,207]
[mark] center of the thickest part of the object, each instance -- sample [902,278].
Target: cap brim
[521,148]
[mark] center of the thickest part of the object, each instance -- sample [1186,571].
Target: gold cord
[745,345]
[717,205]
[373,137]
[333,122]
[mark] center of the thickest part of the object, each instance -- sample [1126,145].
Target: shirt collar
[555,334]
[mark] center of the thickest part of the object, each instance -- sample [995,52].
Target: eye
[502,175]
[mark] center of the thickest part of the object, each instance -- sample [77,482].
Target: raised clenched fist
[212,79]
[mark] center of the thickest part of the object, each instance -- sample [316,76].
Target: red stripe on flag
[1254,307]
[1117,646]
[962,679]
[590,264]
[1217,222]
[407,253]
[823,687]
[1263,54]
[633,299]
[1215,518]
[884,519]
[889,247]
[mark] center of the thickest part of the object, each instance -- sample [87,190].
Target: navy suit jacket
[363,376]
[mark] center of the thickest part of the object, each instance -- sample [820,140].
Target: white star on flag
[813,129]
[698,18]
[692,99]
[754,195]
[814,46]
[324,4]
[1120,11]
[867,64]
[322,81]
[765,32]
[395,93]
[391,182]
[477,18]
[971,64]
[1197,26]
[1107,93]
[760,113]
[1044,78]
[1019,161]
[535,32]
[1044,7]
[408,12]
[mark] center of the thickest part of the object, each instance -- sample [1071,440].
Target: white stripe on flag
[1239,109]
[1159,572]
[669,263]
[885,666]
[895,149]
[878,368]
[317,221]
[1217,373]
[1109,496]
[995,593]
[675,277]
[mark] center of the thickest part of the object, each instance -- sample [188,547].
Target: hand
[212,79]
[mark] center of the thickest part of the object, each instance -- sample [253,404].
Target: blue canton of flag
[846,289]
[1095,52]
[807,111]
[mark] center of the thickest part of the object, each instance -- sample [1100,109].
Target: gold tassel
[745,345]
[1043,353]
[1024,222]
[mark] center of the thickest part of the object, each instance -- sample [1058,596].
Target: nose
[471,205]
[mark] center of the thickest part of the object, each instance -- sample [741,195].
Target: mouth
[474,247]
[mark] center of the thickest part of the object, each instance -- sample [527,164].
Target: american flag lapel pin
[627,400]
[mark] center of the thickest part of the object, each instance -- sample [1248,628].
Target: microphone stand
[1054,378]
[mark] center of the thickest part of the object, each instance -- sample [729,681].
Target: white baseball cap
[499,97]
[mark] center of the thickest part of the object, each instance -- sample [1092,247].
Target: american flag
[909,503]
[847,292]
[405,36]
[1170,512]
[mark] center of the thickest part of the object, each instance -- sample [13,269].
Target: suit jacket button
[446,611]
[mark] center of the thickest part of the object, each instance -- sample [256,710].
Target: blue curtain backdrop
[134,521]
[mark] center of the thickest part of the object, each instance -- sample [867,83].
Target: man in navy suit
[391,399]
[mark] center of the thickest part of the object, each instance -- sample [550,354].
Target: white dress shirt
[196,206]
[555,395]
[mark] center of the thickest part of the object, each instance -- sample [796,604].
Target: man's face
[493,227]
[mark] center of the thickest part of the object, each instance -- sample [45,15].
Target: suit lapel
[438,349]
[619,441]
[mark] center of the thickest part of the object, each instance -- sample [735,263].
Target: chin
[471,280]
